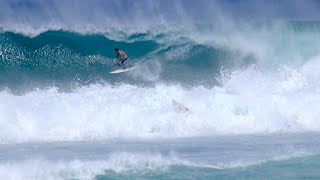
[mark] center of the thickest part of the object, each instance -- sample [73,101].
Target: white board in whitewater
[179,108]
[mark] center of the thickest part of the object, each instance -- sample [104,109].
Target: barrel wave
[238,81]
[176,55]
[65,57]
[236,75]
[221,89]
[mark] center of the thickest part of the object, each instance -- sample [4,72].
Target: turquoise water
[277,156]
[65,57]
[247,73]
[198,55]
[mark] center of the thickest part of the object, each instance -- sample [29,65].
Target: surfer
[122,54]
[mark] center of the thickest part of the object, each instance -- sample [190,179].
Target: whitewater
[250,82]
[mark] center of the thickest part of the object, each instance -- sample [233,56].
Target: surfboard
[123,69]
[179,108]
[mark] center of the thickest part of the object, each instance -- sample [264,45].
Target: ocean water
[278,156]
[248,72]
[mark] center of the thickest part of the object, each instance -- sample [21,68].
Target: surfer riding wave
[123,56]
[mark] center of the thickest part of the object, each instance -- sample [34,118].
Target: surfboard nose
[179,108]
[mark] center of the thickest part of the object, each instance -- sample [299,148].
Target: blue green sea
[221,89]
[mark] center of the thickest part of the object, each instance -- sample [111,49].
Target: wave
[234,80]
[35,17]
[64,57]
[133,165]
[286,101]
[238,77]
[85,169]
[43,43]
[189,56]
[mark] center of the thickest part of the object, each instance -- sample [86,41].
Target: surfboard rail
[121,69]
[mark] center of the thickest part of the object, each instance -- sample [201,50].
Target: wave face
[236,75]
[58,56]
[192,57]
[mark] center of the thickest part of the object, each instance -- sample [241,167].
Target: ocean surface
[248,73]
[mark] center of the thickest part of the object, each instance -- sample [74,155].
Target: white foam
[250,101]
[121,162]
[277,42]
[85,169]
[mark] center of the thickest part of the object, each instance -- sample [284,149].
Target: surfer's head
[116,49]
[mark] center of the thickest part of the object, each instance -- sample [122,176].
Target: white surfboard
[179,108]
[123,69]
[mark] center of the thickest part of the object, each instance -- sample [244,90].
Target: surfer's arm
[116,58]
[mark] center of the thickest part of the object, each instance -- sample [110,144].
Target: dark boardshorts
[122,61]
